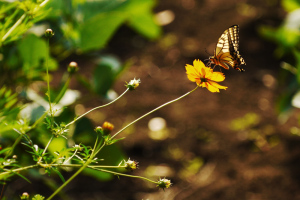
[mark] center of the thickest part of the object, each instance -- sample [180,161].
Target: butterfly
[226,53]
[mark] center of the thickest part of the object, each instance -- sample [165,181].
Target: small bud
[131,165]
[99,129]
[49,33]
[77,147]
[72,67]
[164,183]
[133,84]
[107,128]
[25,195]
[14,156]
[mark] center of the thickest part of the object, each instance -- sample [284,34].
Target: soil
[204,155]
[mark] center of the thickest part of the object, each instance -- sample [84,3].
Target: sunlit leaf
[96,31]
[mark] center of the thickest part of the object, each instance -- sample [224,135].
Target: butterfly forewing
[226,53]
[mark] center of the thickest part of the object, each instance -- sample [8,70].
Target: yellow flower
[205,76]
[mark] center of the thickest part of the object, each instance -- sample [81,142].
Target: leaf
[23,177]
[57,144]
[92,8]
[59,174]
[290,5]
[34,52]
[96,31]
[145,25]
[105,74]
[140,17]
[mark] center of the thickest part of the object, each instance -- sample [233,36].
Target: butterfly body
[226,53]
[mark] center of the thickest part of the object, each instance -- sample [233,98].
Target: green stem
[72,122]
[20,21]
[120,174]
[19,169]
[48,79]
[159,107]
[71,178]
[13,146]
[46,148]
[63,90]
[61,93]
[13,27]
[99,149]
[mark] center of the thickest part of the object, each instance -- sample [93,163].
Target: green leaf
[23,177]
[141,18]
[59,174]
[57,144]
[105,74]
[92,8]
[33,51]
[111,155]
[290,5]
[96,31]
[84,132]
[145,25]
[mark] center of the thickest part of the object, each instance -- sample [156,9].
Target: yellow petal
[190,69]
[193,77]
[218,77]
[199,65]
[212,88]
[217,85]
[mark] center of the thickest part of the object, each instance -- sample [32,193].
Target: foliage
[287,38]
[34,132]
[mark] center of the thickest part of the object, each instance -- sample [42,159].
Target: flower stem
[72,122]
[63,90]
[48,79]
[18,169]
[121,174]
[71,178]
[46,148]
[159,107]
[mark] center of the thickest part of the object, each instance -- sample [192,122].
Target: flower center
[203,79]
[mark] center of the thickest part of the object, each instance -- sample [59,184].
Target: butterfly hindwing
[227,53]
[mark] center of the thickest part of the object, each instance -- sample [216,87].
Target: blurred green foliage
[287,39]
[80,27]
[250,128]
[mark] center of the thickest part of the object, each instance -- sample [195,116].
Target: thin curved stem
[159,107]
[121,174]
[72,122]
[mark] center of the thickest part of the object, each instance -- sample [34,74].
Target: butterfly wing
[226,53]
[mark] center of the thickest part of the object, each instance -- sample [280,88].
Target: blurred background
[242,143]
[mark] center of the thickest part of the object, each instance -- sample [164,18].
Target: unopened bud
[72,67]
[25,195]
[107,128]
[49,33]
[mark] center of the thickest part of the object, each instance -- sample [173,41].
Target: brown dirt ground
[198,126]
